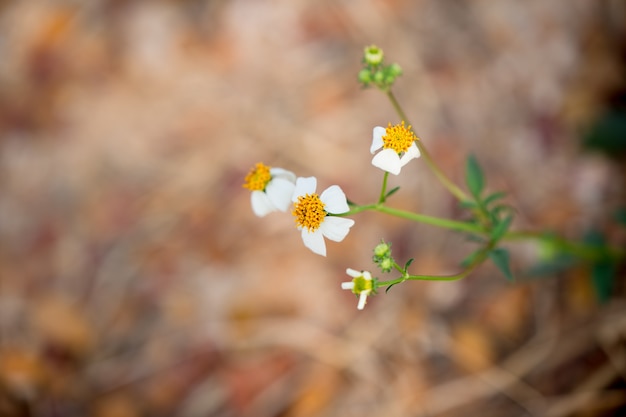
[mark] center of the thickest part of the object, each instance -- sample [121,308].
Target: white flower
[311,213]
[271,188]
[398,143]
[360,285]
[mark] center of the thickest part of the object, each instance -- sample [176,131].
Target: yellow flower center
[362,284]
[398,138]
[309,212]
[257,178]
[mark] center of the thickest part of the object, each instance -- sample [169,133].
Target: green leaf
[501,228]
[603,276]
[408,263]
[476,238]
[493,197]
[389,287]
[470,258]
[474,176]
[468,204]
[500,258]
[608,134]
[392,192]
[555,265]
[603,272]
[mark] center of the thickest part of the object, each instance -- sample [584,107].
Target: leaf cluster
[494,216]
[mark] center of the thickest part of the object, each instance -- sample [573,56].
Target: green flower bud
[382,249]
[373,55]
[379,77]
[386,265]
[395,70]
[365,76]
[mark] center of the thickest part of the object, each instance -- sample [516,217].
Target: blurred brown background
[135,280]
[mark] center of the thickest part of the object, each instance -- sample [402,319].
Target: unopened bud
[373,55]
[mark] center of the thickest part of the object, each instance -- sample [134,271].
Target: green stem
[479,260]
[420,218]
[586,251]
[456,191]
[383,189]
[396,105]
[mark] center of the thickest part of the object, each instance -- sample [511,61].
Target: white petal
[261,204]
[353,272]
[314,241]
[304,186]
[367,275]
[347,285]
[411,153]
[336,228]
[387,160]
[334,200]
[362,299]
[284,174]
[377,138]
[280,191]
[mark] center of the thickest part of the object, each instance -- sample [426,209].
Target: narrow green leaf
[468,204]
[500,258]
[392,191]
[474,176]
[389,287]
[476,238]
[470,258]
[408,263]
[603,273]
[501,228]
[603,278]
[493,197]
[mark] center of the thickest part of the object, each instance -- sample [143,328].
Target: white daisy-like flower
[271,188]
[361,285]
[312,214]
[398,147]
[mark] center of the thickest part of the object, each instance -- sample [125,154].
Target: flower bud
[382,250]
[395,70]
[365,76]
[386,265]
[379,77]
[373,55]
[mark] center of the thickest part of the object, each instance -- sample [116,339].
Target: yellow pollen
[257,178]
[398,138]
[309,212]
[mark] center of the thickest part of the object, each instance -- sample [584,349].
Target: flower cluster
[322,216]
[319,216]
[275,189]
[375,72]
[382,257]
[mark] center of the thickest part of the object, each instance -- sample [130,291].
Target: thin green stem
[433,221]
[383,189]
[445,181]
[586,251]
[479,260]
[396,105]
[420,218]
